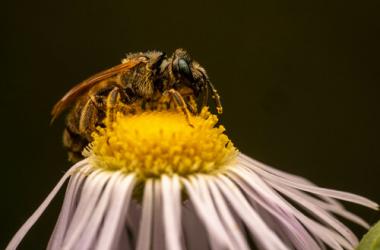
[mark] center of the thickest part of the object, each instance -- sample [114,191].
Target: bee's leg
[216,98]
[113,100]
[99,101]
[191,105]
[191,102]
[100,98]
[74,143]
[72,137]
[204,98]
[178,99]
[88,119]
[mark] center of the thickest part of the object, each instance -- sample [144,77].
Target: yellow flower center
[153,143]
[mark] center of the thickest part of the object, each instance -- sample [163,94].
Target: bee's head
[188,72]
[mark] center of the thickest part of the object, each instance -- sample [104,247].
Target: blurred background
[299,83]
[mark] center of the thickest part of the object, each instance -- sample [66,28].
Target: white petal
[124,241]
[250,162]
[67,211]
[262,233]
[90,195]
[217,235]
[268,199]
[324,233]
[328,205]
[115,219]
[133,221]
[347,215]
[229,222]
[204,192]
[15,241]
[320,213]
[171,212]
[145,231]
[324,192]
[158,230]
[254,164]
[328,236]
[196,237]
[88,238]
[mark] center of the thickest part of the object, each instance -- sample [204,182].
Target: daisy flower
[151,181]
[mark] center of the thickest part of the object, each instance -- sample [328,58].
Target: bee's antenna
[52,121]
[205,96]
[216,98]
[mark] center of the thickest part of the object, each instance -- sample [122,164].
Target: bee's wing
[84,86]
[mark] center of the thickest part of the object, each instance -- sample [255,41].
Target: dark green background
[299,83]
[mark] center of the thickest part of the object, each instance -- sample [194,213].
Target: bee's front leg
[99,102]
[74,143]
[114,95]
[178,100]
[114,102]
[88,119]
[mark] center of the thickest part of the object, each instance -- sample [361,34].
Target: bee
[141,78]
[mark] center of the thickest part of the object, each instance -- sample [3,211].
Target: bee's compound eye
[184,69]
